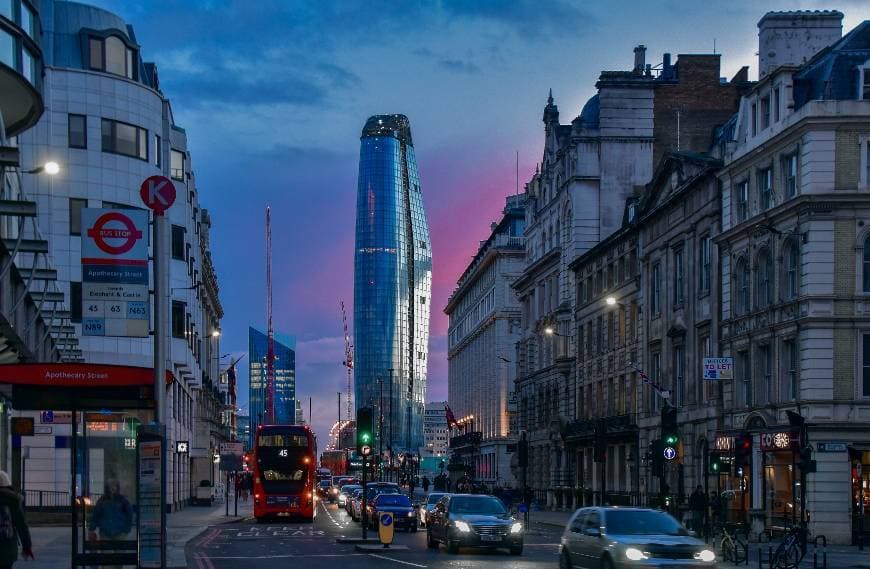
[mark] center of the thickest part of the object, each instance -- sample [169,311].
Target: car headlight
[461,526]
[635,554]
[517,527]
[706,555]
[410,514]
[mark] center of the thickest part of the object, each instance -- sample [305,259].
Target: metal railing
[41,499]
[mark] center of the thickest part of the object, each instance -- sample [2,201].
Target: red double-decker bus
[285,466]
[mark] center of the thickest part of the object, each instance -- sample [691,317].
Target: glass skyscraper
[392,283]
[285,378]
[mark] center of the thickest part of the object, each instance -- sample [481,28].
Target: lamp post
[51,168]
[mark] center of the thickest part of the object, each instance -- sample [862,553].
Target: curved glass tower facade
[392,284]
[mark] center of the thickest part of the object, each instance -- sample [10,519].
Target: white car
[345,492]
[428,506]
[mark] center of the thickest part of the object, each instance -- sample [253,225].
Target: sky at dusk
[274,94]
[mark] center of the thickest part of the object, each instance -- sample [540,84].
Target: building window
[77,131]
[75,215]
[765,111]
[679,376]
[765,372]
[179,326]
[678,278]
[655,289]
[28,22]
[178,242]
[75,301]
[746,376]
[112,56]
[126,139]
[176,164]
[789,370]
[765,189]
[754,119]
[865,377]
[865,83]
[742,196]
[706,265]
[763,280]
[789,174]
[866,264]
[790,282]
[776,104]
[158,152]
[742,286]
[655,376]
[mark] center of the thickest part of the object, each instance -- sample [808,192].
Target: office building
[435,431]
[484,326]
[392,281]
[284,374]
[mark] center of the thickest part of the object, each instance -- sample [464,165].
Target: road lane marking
[396,560]
[289,556]
[326,510]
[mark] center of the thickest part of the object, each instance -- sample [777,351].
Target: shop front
[732,484]
[782,492]
[859,459]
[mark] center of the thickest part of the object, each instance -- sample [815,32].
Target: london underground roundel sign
[158,193]
[114,233]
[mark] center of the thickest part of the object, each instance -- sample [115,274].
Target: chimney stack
[792,38]
[639,58]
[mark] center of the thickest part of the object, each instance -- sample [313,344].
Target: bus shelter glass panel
[105,483]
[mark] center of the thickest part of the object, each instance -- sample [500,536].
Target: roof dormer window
[111,54]
[865,82]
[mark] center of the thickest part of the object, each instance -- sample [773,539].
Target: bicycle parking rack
[769,559]
[824,564]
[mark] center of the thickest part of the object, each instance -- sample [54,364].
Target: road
[247,545]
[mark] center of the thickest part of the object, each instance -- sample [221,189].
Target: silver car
[617,538]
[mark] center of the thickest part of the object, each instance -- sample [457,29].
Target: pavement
[52,544]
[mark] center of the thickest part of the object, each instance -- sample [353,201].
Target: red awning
[78,375]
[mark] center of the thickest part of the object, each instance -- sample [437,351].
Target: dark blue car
[404,515]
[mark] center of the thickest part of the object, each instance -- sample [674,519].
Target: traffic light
[742,452]
[670,434]
[364,431]
[714,463]
[657,459]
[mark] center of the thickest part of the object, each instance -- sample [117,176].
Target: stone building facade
[484,325]
[795,260]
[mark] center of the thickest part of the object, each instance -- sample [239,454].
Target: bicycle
[734,548]
[791,551]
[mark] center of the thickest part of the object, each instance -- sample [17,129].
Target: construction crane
[270,334]
[348,360]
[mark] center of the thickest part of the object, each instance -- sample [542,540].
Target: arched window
[742,286]
[790,260]
[763,279]
[866,264]
[569,223]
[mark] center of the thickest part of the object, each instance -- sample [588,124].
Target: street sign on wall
[115,294]
[718,368]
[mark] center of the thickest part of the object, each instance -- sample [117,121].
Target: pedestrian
[13,527]
[247,486]
[426,484]
[112,517]
[698,506]
[447,484]
[716,508]
[237,482]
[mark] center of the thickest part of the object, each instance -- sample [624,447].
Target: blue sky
[273,95]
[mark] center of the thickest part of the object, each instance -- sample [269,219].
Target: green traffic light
[365,437]
[671,440]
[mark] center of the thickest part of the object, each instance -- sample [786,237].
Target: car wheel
[518,550]
[565,560]
[431,543]
[606,563]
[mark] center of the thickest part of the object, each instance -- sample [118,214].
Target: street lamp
[51,168]
[215,333]
[611,301]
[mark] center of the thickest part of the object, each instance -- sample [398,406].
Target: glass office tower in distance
[285,378]
[392,283]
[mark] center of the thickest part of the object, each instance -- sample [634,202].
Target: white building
[435,431]
[110,127]
[484,325]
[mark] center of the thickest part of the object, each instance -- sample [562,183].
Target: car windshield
[393,500]
[433,498]
[485,505]
[643,522]
[324,483]
[347,488]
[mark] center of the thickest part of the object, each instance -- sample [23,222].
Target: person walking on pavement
[112,516]
[698,506]
[426,484]
[13,527]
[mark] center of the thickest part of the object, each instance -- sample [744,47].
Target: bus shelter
[108,412]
